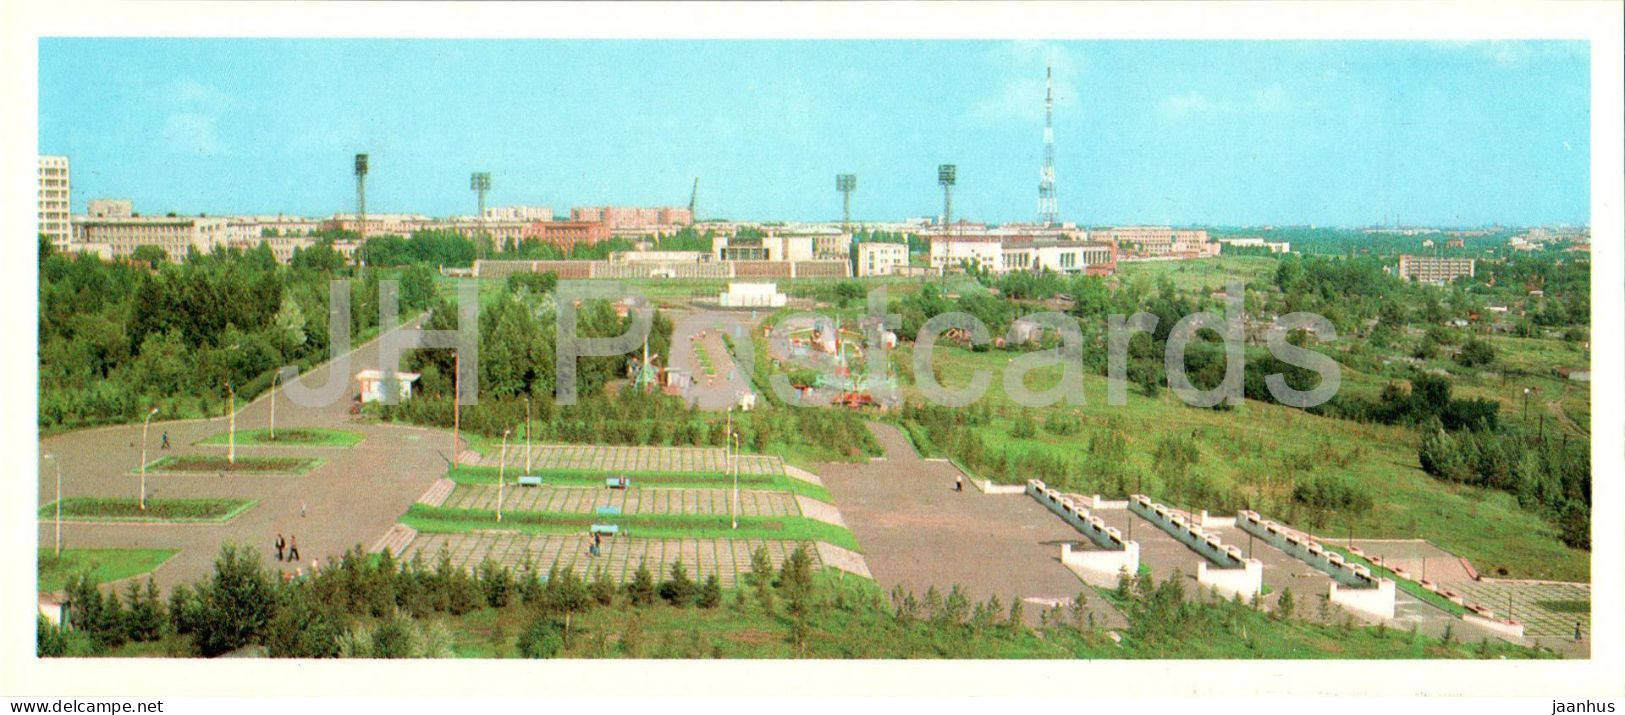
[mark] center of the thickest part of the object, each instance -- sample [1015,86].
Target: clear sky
[1220,133]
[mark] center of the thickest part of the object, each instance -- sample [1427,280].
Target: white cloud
[1264,100]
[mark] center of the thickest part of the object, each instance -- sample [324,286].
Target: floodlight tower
[846,184]
[361,195]
[1047,209]
[480,182]
[946,174]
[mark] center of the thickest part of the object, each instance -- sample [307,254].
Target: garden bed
[178,511]
[295,437]
[217,464]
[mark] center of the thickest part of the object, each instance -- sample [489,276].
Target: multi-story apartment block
[176,235]
[626,218]
[55,222]
[1157,241]
[1436,271]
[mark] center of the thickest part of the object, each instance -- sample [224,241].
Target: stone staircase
[437,492]
[395,540]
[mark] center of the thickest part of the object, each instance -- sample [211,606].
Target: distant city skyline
[1229,133]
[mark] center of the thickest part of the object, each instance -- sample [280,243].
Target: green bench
[610,529]
[608,510]
[618,482]
[530,480]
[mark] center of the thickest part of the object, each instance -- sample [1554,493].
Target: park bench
[618,482]
[608,510]
[530,480]
[610,529]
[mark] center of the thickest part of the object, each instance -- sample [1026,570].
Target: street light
[734,437]
[142,502]
[58,464]
[1526,404]
[275,379]
[502,465]
[231,424]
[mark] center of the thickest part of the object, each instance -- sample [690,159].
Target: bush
[641,589]
[711,592]
[679,589]
[542,638]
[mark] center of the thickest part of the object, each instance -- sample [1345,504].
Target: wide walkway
[352,498]
[917,532]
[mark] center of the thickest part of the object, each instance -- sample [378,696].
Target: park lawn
[479,475]
[103,565]
[426,518]
[158,510]
[210,463]
[1245,449]
[291,437]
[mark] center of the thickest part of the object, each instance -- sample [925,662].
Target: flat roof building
[875,258]
[1434,270]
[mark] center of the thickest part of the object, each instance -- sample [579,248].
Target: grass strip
[484,475]
[295,437]
[103,565]
[178,511]
[206,463]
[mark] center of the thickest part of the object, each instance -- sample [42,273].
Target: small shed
[372,384]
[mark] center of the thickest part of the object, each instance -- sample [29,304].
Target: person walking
[280,545]
[959,482]
[166,440]
[293,548]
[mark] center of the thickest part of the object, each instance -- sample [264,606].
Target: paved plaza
[752,502]
[1530,602]
[729,559]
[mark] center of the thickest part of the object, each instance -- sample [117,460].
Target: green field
[103,565]
[291,437]
[426,518]
[205,464]
[158,510]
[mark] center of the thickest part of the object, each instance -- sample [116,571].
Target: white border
[1598,22]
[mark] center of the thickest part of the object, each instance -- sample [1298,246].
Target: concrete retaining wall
[1114,554]
[1375,603]
[1508,629]
[1246,581]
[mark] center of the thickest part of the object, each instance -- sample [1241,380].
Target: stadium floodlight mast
[361,162]
[846,184]
[480,182]
[947,174]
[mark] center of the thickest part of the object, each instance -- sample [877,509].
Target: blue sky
[1183,132]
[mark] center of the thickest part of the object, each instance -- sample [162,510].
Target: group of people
[291,545]
[597,541]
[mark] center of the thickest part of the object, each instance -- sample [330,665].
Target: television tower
[1047,209]
[846,184]
[946,175]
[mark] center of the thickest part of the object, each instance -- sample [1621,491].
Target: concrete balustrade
[1100,566]
[1353,587]
[1225,569]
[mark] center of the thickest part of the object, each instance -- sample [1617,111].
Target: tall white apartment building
[54,222]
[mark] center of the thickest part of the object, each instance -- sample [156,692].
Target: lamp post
[1526,404]
[142,501]
[734,437]
[231,424]
[276,378]
[502,464]
[527,432]
[58,464]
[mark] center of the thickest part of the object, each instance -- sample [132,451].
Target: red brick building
[566,233]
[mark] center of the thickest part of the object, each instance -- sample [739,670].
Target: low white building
[879,259]
[372,384]
[752,295]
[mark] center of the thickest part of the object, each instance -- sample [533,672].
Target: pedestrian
[166,440]
[280,545]
[301,510]
[1576,630]
[293,548]
[314,565]
[959,482]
